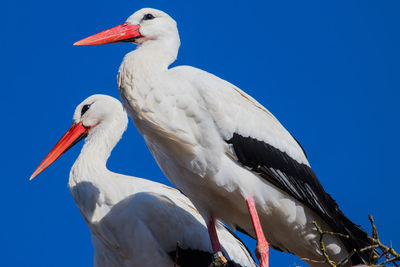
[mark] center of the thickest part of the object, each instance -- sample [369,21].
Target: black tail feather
[358,238]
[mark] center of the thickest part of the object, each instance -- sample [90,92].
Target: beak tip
[75,133]
[36,173]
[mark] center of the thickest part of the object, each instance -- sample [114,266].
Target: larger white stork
[133,221]
[223,149]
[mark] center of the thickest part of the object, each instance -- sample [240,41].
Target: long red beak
[76,133]
[122,33]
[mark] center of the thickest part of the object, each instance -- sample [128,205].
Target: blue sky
[328,71]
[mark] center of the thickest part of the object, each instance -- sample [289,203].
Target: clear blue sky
[328,71]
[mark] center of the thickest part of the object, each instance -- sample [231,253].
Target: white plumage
[133,221]
[221,147]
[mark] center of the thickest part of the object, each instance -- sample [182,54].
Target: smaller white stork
[133,221]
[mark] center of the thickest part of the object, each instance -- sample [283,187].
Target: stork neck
[90,181]
[154,55]
[91,163]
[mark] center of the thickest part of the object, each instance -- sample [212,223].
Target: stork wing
[264,146]
[260,142]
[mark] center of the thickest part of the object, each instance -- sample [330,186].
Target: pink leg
[262,249]
[216,246]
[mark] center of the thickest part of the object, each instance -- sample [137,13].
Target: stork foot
[219,260]
[262,252]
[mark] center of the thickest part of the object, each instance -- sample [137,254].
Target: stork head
[99,116]
[99,111]
[145,25]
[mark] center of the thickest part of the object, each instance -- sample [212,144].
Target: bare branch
[322,245]
[387,255]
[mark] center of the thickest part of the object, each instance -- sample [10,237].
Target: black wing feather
[186,257]
[299,181]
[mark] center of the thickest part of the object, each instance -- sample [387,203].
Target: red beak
[122,33]
[76,133]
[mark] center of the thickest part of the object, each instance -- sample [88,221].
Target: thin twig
[369,247]
[375,240]
[390,260]
[387,252]
[322,245]
[374,231]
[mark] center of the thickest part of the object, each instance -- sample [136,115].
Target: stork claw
[262,253]
[219,260]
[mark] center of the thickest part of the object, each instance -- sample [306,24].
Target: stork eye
[84,109]
[148,17]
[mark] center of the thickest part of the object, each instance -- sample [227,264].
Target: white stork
[133,221]
[223,149]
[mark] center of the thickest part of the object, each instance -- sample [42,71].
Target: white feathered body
[137,222]
[185,115]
